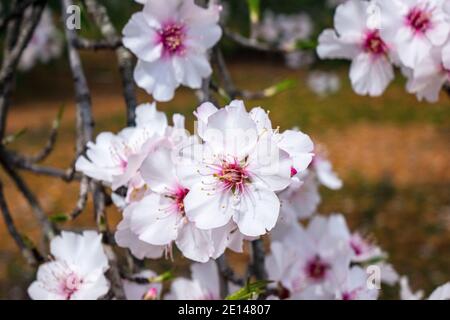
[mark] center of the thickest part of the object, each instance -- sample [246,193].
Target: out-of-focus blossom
[137,291]
[76,271]
[170,40]
[45,44]
[323,83]
[203,285]
[440,293]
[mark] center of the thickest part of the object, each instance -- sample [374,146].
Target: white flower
[323,170]
[300,200]
[323,83]
[45,44]
[76,271]
[115,158]
[137,291]
[235,173]
[171,39]
[126,238]
[428,77]
[204,285]
[321,258]
[357,40]
[414,26]
[355,286]
[440,293]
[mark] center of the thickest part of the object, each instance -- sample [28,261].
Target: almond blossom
[46,43]
[137,291]
[204,285]
[76,271]
[414,26]
[171,40]
[235,173]
[440,293]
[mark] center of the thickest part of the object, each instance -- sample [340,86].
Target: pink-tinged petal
[369,75]
[158,170]
[157,12]
[332,47]
[147,116]
[257,212]
[351,17]
[446,56]
[440,30]
[269,167]
[412,48]
[155,220]
[157,78]
[207,206]
[141,39]
[299,146]
[231,131]
[125,238]
[207,275]
[194,244]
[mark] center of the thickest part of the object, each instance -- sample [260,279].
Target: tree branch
[30,253]
[124,58]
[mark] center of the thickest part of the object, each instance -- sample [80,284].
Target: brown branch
[227,272]
[13,51]
[124,58]
[257,266]
[82,198]
[48,228]
[16,12]
[254,44]
[88,44]
[29,252]
[100,214]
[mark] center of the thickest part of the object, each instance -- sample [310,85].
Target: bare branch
[254,43]
[12,56]
[227,272]
[258,260]
[124,58]
[48,228]
[30,253]
[100,214]
[88,44]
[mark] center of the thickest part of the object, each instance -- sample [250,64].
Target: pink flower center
[71,284]
[293,171]
[359,245]
[234,176]
[374,44]
[419,19]
[348,296]
[172,36]
[317,269]
[179,198]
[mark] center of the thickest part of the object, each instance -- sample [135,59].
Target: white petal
[257,212]
[195,244]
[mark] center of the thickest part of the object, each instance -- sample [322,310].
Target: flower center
[234,176]
[374,44]
[172,37]
[419,19]
[179,196]
[317,268]
[71,284]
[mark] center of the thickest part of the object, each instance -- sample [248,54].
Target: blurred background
[392,152]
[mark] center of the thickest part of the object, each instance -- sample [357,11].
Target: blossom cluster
[45,44]
[206,192]
[378,35]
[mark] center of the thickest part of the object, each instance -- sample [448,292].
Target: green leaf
[168,275]
[254,10]
[249,291]
[13,137]
[306,44]
[59,218]
[280,87]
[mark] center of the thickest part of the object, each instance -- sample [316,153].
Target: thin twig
[124,58]
[30,253]
[254,43]
[258,260]
[48,228]
[88,44]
